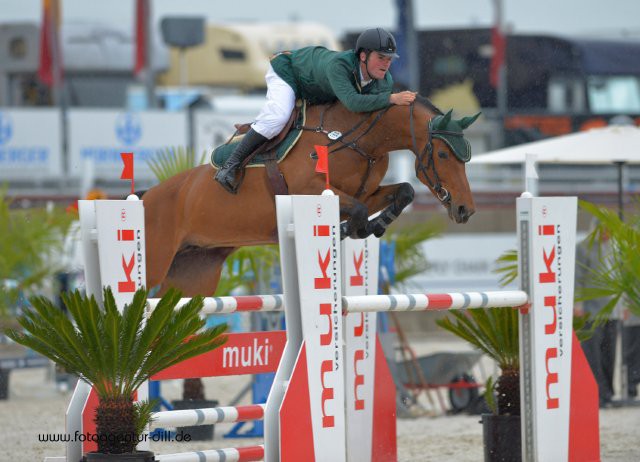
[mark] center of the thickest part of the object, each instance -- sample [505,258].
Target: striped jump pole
[248,454]
[368,303]
[207,416]
[223,305]
[433,302]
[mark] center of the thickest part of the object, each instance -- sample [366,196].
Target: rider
[359,78]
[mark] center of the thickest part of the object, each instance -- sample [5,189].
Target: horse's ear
[466,121]
[445,120]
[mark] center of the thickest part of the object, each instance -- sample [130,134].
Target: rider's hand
[404,98]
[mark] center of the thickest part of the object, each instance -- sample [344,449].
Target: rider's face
[377,65]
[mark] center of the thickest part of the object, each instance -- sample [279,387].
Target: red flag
[323,159]
[499,43]
[141,37]
[322,166]
[127,170]
[50,56]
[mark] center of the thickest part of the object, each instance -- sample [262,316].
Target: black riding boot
[227,176]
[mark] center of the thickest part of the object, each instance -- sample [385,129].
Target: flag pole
[326,186]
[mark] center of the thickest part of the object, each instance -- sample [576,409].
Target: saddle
[269,150]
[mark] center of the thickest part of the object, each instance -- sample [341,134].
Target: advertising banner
[30,144]
[97,137]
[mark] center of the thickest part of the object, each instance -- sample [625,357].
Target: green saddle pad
[222,153]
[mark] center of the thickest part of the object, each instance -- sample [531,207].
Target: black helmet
[378,40]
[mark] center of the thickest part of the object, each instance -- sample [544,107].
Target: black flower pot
[138,456]
[501,435]
[196,432]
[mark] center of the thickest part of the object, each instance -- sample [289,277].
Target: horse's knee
[405,195]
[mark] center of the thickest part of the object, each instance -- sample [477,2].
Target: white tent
[616,144]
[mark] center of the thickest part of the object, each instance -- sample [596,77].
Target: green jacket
[322,76]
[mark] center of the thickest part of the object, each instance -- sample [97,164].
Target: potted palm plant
[116,352]
[494,331]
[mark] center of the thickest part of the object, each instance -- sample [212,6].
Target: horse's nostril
[462,211]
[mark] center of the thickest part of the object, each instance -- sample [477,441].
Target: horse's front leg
[391,200]
[356,214]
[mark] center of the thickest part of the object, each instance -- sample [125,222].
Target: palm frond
[409,258]
[489,395]
[507,267]
[116,351]
[494,331]
[617,273]
[171,161]
[249,267]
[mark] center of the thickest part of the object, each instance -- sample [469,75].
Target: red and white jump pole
[434,302]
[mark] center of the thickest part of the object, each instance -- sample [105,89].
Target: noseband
[441,192]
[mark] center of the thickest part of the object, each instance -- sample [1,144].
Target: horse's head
[440,164]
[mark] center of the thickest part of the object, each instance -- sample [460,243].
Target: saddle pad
[222,153]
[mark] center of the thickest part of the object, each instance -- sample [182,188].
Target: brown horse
[193,224]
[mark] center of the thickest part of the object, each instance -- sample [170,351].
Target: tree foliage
[29,242]
[617,273]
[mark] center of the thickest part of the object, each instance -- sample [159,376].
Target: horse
[193,224]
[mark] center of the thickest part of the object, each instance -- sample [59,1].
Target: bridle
[340,143]
[440,191]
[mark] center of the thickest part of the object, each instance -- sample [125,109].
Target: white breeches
[276,112]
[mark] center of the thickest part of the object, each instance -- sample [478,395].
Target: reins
[441,192]
[338,138]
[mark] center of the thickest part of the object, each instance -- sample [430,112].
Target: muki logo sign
[128,285]
[547,280]
[6,128]
[327,271]
[128,128]
[252,355]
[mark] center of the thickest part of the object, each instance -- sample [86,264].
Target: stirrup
[231,186]
[233,189]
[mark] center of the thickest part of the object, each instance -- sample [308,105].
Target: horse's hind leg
[391,199]
[196,270]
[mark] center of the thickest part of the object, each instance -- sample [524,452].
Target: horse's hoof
[379,231]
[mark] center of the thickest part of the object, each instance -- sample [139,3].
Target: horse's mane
[425,102]
[419,98]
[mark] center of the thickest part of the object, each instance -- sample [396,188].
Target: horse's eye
[443,154]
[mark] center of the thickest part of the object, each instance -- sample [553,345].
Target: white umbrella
[616,144]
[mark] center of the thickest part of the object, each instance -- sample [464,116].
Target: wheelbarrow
[450,370]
